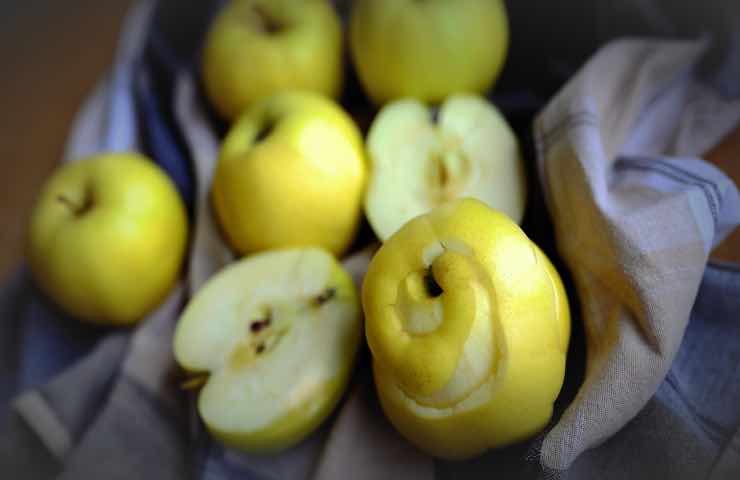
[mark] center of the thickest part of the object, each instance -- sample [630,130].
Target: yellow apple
[255,48]
[468,325]
[107,237]
[427,49]
[419,160]
[291,172]
[276,335]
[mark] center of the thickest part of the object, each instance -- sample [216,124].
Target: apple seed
[259,324]
[325,296]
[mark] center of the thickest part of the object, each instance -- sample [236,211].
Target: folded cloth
[635,215]
[691,427]
[634,219]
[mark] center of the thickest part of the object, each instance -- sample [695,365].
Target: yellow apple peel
[483,367]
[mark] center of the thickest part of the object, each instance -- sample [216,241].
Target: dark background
[51,54]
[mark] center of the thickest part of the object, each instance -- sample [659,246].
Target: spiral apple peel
[468,324]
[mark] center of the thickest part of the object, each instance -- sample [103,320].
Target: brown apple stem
[194,383]
[77,210]
[267,23]
[66,201]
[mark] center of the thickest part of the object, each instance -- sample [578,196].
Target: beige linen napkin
[635,215]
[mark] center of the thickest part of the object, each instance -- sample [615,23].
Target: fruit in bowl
[423,156]
[427,49]
[107,237]
[255,48]
[468,324]
[276,334]
[291,172]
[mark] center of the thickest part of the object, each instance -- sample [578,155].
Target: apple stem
[66,201]
[194,383]
[266,21]
[77,210]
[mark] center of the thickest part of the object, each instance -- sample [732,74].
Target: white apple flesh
[277,333]
[421,158]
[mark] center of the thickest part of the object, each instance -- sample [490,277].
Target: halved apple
[422,157]
[276,334]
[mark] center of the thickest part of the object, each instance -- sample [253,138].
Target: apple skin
[427,49]
[270,400]
[477,361]
[292,428]
[107,238]
[300,185]
[243,61]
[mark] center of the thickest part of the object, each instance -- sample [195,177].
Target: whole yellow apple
[427,49]
[107,237]
[291,172]
[276,334]
[468,325]
[255,48]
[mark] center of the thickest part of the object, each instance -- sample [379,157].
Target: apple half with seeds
[273,337]
[423,156]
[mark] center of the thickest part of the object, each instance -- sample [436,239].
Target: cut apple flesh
[278,333]
[421,159]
